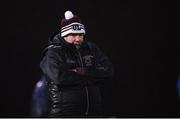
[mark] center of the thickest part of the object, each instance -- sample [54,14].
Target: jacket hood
[57,40]
[54,39]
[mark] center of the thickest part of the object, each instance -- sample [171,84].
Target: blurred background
[134,34]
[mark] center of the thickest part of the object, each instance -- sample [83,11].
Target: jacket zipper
[87,93]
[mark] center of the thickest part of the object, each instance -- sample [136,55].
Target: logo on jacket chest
[88,60]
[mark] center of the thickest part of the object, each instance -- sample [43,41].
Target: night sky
[134,34]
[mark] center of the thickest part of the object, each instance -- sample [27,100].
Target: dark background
[134,34]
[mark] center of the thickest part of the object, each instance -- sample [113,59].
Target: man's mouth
[77,43]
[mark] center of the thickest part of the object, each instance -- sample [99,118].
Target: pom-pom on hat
[71,24]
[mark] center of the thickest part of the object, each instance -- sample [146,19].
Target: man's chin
[77,44]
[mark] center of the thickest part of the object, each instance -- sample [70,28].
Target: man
[73,69]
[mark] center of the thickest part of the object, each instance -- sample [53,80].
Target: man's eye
[77,34]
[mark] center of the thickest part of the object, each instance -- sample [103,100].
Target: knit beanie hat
[71,24]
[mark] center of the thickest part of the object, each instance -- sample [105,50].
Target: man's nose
[77,38]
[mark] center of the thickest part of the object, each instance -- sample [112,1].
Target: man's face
[76,39]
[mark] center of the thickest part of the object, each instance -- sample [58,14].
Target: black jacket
[72,94]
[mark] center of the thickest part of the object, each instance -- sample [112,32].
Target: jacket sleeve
[55,69]
[103,67]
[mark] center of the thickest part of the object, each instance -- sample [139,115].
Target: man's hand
[79,70]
